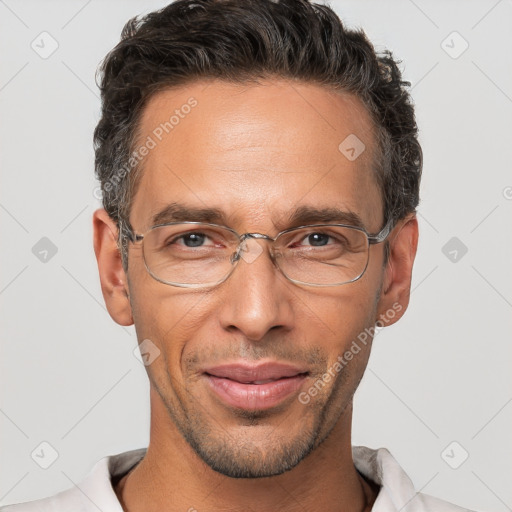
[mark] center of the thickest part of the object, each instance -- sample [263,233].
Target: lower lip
[254,396]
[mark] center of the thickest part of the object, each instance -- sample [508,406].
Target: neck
[172,477]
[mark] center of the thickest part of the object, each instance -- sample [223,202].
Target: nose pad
[249,250]
[235,256]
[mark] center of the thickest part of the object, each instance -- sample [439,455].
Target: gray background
[442,374]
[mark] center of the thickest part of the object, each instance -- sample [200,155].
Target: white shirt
[97,493]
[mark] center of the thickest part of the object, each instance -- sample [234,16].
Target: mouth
[252,387]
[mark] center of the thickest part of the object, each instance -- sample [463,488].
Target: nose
[257,297]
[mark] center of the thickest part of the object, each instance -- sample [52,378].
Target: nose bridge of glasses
[261,236]
[250,252]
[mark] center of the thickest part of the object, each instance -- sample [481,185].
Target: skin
[256,152]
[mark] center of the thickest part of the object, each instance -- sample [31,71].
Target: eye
[182,240]
[317,239]
[321,239]
[324,241]
[194,239]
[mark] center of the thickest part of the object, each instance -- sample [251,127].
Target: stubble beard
[274,451]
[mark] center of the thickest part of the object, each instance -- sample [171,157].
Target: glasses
[197,255]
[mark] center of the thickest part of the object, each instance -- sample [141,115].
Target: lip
[254,387]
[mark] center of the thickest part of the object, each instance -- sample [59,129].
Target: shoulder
[396,488]
[424,503]
[95,492]
[67,500]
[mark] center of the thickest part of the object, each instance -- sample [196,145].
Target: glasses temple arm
[383,234]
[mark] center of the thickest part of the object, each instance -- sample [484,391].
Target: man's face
[257,153]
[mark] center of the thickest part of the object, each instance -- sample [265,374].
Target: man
[260,172]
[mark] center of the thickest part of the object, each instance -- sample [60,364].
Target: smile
[254,387]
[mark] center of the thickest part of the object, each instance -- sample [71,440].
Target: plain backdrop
[437,388]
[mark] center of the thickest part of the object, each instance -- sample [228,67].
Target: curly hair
[244,41]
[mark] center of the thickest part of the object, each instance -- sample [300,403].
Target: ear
[114,285]
[396,286]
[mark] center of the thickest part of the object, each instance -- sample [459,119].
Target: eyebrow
[302,215]
[310,214]
[177,212]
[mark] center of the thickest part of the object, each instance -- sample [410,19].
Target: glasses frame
[136,238]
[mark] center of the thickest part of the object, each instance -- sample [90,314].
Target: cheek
[167,316]
[341,313]
[344,332]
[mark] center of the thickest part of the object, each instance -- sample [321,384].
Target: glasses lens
[189,254]
[323,255]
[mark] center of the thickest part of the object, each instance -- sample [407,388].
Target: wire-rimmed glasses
[197,254]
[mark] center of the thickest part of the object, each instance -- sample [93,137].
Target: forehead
[255,152]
